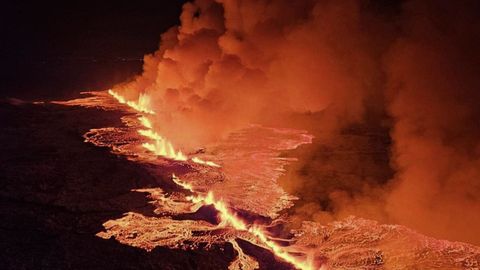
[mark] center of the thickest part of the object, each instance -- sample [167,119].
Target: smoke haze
[405,73]
[433,89]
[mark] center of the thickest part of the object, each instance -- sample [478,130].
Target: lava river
[228,194]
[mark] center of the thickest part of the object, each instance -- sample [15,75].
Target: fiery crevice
[229,218]
[247,181]
[162,147]
[142,105]
[339,69]
[159,145]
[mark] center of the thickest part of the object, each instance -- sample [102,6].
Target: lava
[163,147]
[159,145]
[227,217]
[208,163]
[145,122]
[142,105]
[247,182]
[179,182]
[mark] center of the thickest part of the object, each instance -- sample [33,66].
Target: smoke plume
[399,77]
[434,90]
[231,63]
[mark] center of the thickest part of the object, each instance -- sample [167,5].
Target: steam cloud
[434,90]
[408,67]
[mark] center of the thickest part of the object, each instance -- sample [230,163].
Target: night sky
[55,50]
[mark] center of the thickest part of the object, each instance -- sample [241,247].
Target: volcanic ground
[79,192]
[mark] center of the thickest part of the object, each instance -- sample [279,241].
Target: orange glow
[160,146]
[203,162]
[179,182]
[165,149]
[145,122]
[227,217]
[142,105]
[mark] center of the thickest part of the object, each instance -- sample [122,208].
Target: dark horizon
[56,50]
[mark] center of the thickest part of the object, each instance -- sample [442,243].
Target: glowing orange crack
[208,163]
[229,218]
[142,105]
[160,146]
[163,147]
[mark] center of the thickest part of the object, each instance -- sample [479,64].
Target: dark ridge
[206,213]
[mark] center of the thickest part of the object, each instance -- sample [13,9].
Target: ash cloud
[231,63]
[404,73]
[434,90]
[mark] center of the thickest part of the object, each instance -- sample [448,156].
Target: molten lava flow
[251,164]
[208,163]
[142,105]
[160,146]
[179,182]
[242,261]
[227,217]
[145,122]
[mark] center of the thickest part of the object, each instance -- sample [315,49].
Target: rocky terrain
[78,193]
